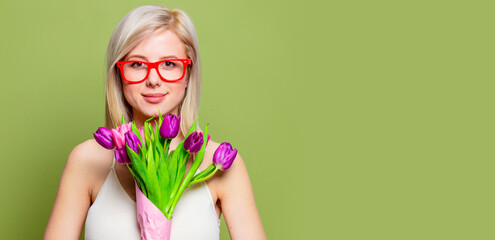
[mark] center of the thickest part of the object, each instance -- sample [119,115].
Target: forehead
[159,44]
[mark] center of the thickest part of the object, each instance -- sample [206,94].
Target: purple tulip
[193,142]
[170,126]
[104,137]
[224,156]
[132,141]
[121,156]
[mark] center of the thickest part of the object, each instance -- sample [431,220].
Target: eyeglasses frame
[154,65]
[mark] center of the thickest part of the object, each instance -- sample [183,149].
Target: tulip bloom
[224,156]
[170,126]
[118,134]
[104,137]
[132,141]
[193,142]
[121,156]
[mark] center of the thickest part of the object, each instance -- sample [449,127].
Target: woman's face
[153,93]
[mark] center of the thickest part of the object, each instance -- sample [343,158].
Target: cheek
[129,93]
[179,89]
[183,90]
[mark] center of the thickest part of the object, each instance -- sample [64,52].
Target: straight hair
[131,30]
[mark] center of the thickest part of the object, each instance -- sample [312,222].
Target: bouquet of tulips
[160,177]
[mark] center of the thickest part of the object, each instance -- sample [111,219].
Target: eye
[137,65]
[168,65]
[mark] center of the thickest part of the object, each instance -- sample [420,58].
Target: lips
[154,97]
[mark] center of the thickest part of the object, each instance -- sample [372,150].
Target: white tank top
[113,214]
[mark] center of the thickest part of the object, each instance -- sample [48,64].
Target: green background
[356,119]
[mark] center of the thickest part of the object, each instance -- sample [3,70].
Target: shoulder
[89,149]
[212,146]
[210,151]
[90,160]
[89,153]
[234,175]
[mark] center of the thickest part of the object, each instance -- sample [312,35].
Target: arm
[238,204]
[73,198]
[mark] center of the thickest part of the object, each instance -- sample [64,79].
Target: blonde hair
[131,30]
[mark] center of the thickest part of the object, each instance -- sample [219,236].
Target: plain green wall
[356,119]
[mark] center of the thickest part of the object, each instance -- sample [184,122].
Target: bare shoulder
[91,163]
[237,172]
[210,150]
[90,153]
[92,159]
[89,149]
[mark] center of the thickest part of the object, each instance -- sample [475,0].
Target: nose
[153,78]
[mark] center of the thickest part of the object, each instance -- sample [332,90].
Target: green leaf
[136,162]
[173,167]
[147,131]
[204,175]
[191,129]
[152,179]
[166,146]
[157,152]
[164,181]
[205,172]
[135,130]
[152,133]
[160,117]
[149,157]
[138,179]
[159,139]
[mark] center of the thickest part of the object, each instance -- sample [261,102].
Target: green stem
[166,146]
[204,178]
[179,175]
[184,184]
[204,172]
[190,174]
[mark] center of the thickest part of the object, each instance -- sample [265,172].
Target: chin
[151,112]
[146,110]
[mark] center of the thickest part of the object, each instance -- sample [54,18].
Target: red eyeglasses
[169,70]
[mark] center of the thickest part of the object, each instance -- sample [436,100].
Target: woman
[96,191]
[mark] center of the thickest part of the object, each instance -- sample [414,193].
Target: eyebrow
[146,59]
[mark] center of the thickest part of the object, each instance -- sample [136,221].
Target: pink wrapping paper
[153,224]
